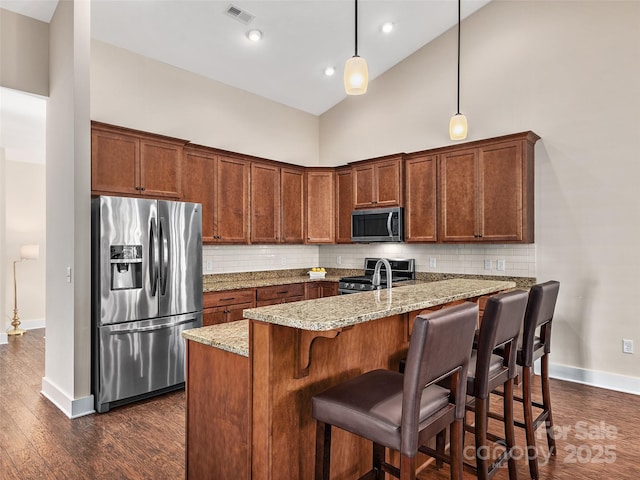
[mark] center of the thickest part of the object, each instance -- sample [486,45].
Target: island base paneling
[218,417]
[283,430]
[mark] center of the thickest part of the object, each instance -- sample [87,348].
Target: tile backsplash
[519,260]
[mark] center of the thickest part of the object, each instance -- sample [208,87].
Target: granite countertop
[232,337]
[234,281]
[345,310]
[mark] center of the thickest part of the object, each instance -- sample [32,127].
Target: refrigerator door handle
[152,328]
[164,257]
[153,257]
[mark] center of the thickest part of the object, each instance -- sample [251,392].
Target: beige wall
[24,53]
[570,72]
[137,92]
[24,189]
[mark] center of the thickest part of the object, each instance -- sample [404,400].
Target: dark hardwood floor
[599,432]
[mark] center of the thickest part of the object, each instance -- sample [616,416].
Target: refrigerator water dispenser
[126,267]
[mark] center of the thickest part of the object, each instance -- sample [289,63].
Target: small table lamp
[27,252]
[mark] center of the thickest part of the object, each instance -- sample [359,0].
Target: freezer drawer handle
[150,329]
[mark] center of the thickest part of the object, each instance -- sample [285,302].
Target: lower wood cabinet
[320,290]
[226,306]
[272,295]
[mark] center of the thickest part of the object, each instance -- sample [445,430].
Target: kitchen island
[249,403]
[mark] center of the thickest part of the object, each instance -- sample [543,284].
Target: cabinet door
[420,199]
[458,196]
[501,192]
[344,205]
[265,203]
[197,187]
[387,187]
[160,169]
[320,206]
[114,163]
[364,186]
[231,205]
[292,197]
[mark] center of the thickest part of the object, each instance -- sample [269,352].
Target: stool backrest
[540,309]
[501,322]
[440,347]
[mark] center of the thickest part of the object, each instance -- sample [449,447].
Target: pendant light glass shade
[356,76]
[458,127]
[356,72]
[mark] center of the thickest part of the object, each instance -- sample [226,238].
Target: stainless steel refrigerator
[146,289]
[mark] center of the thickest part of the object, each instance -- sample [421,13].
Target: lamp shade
[356,76]
[29,252]
[458,127]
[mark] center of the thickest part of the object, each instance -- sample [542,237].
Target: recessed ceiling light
[387,27]
[254,35]
[329,71]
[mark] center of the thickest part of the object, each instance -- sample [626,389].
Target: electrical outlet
[339,260]
[487,264]
[501,265]
[284,261]
[627,346]
[432,262]
[209,266]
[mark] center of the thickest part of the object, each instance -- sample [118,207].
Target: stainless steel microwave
[377,225]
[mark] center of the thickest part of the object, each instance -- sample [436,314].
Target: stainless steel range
[401,271]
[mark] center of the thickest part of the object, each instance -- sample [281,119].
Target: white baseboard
[32,324]
[610,381]
[25,325]
[72,408]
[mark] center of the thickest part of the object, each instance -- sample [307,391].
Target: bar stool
[539,316]
[402,412]
[500,327]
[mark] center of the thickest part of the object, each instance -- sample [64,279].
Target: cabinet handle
[227,299]
[227,311]
[142,188]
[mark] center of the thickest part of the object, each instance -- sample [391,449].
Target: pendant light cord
[356,29]
[458,112]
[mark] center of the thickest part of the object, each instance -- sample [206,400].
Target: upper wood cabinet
[486,191]
[344,204]
[378,183]
[198,180]
[132,163]
[231,200]
[292,205]
[221,184]
[420,213]
[265,203]
[277,204]
[320,210]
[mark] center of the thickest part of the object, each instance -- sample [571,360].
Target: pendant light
[458,123]
[356,73]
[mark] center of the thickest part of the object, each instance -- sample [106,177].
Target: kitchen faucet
[376,273]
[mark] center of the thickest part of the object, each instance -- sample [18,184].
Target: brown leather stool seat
[399,411]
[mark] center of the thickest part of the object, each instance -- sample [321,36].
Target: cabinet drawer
[280,291]
[229,297]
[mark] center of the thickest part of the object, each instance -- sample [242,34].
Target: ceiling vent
[239,14]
